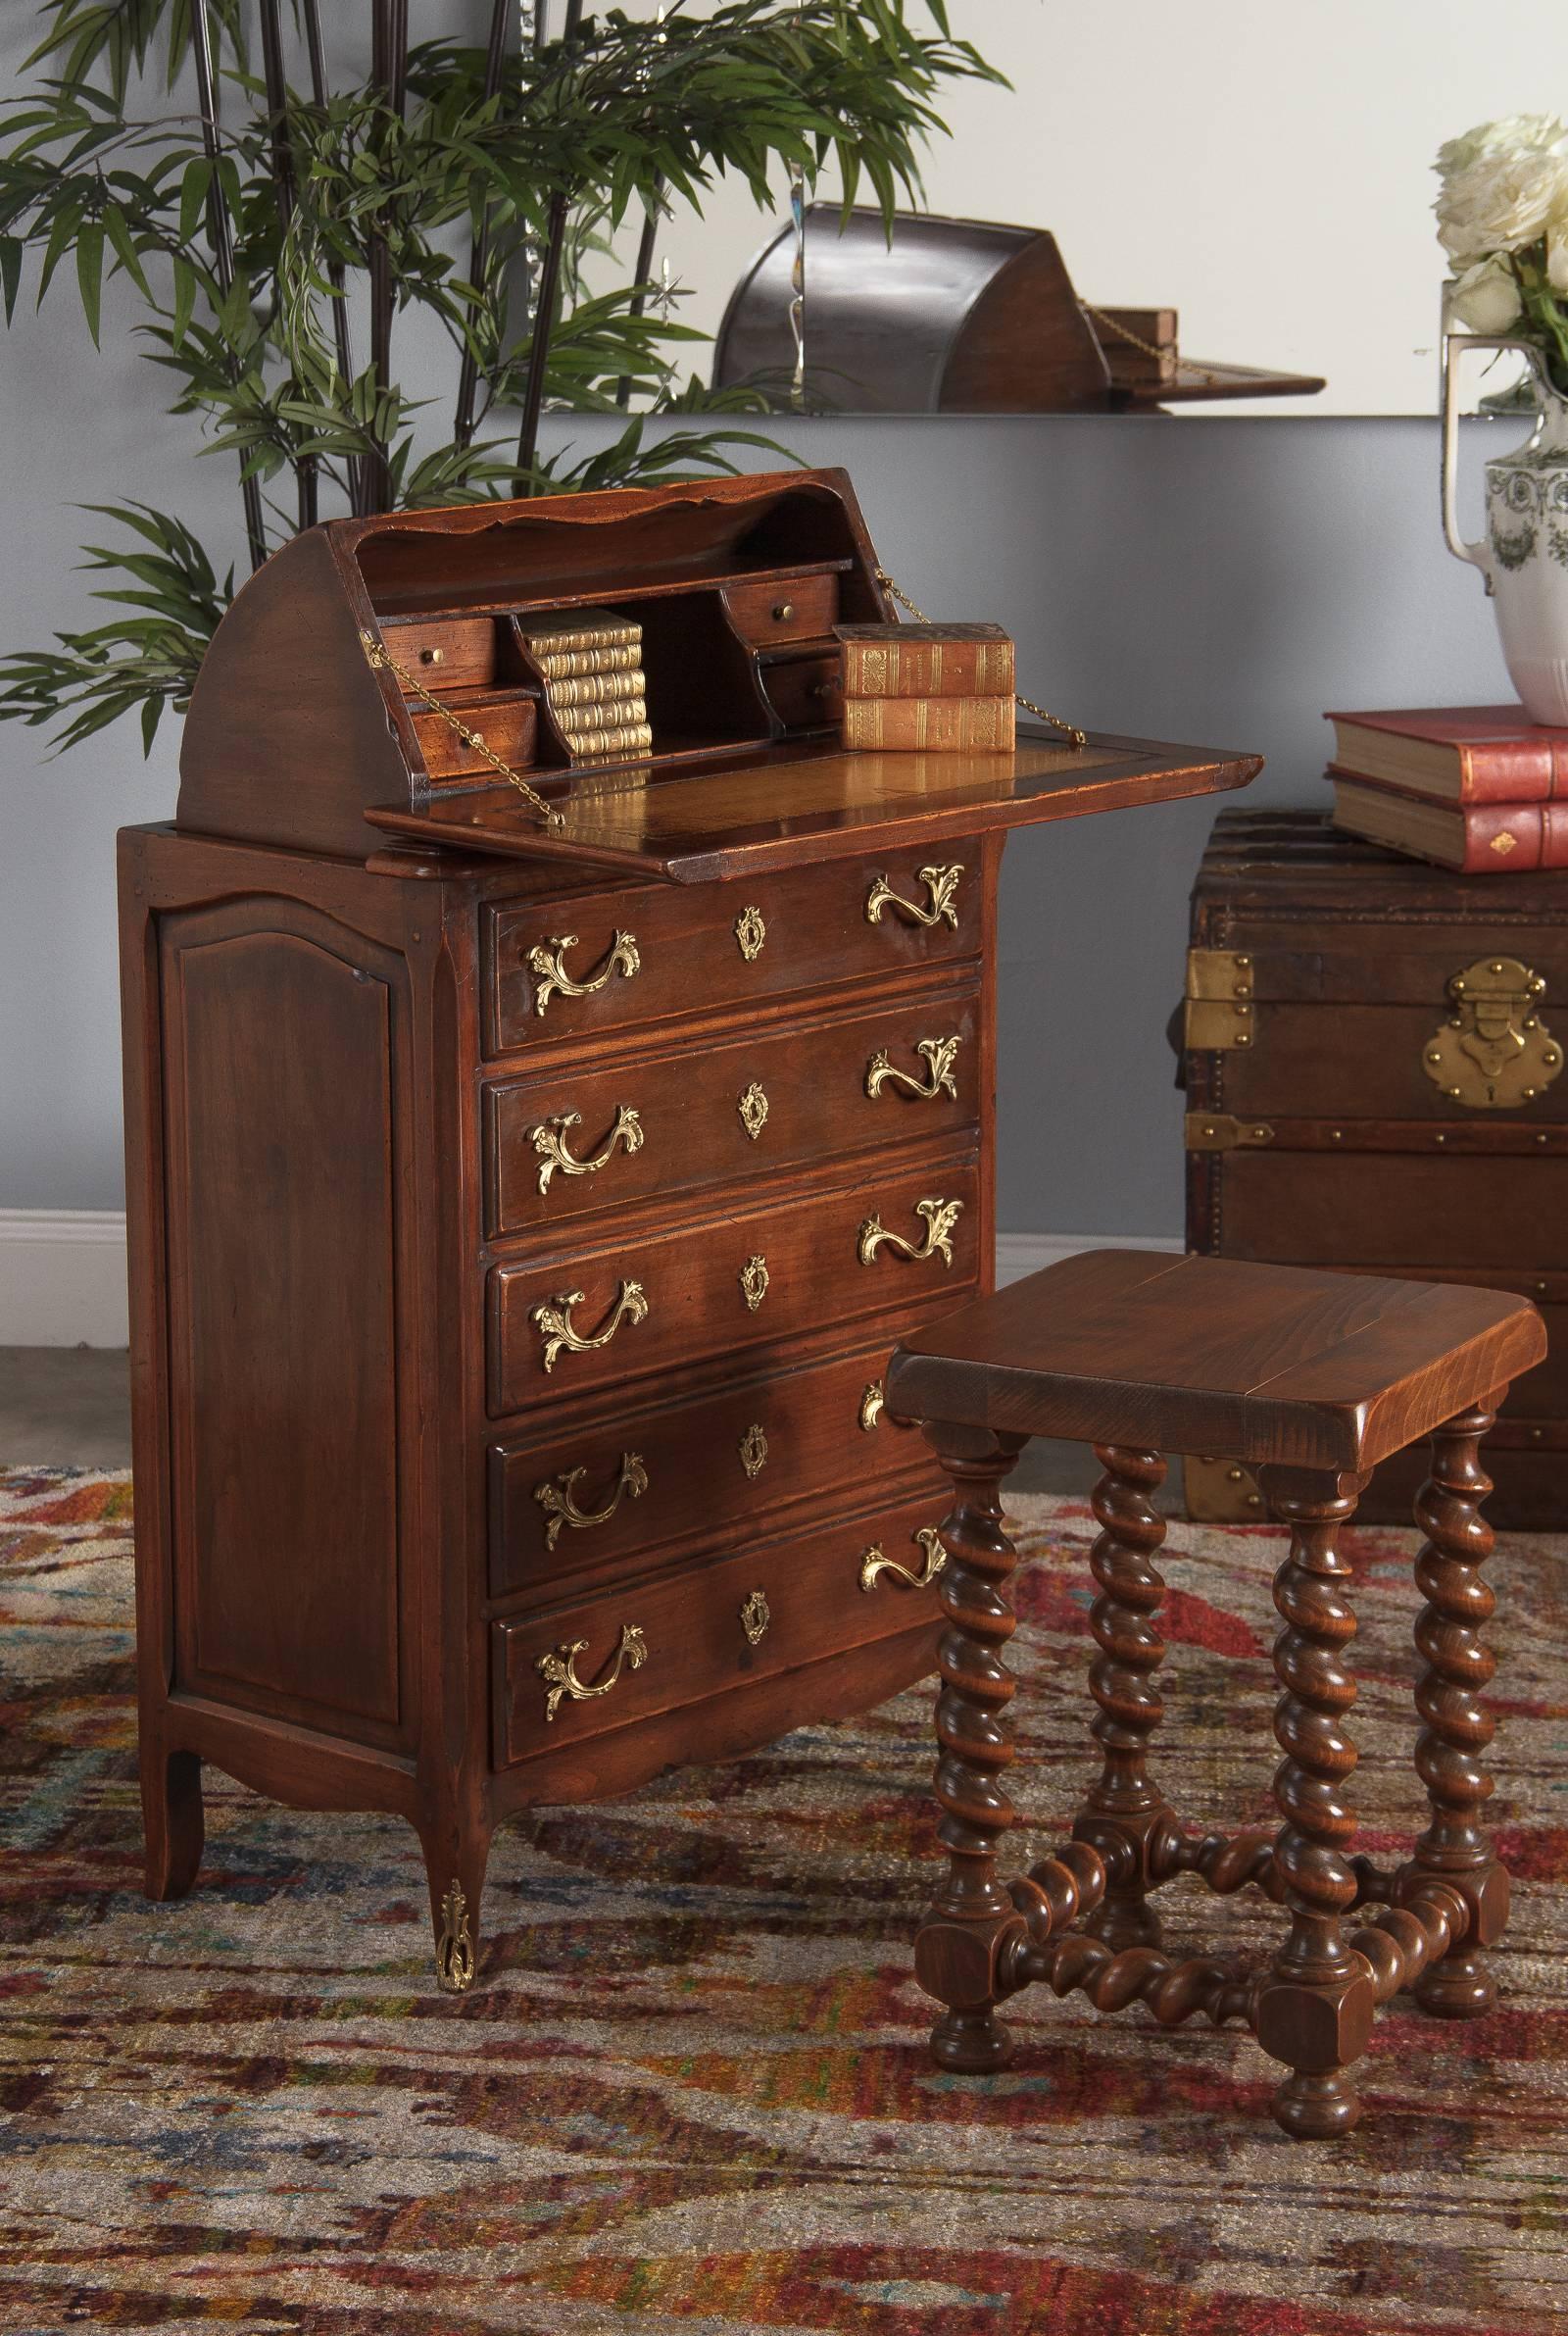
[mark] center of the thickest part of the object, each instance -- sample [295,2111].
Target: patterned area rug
[692,2098]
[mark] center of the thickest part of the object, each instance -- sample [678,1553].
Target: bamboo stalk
[217,232]
[334,268]
[285,181]
[389,61]
[479,253]
[544,307]
[647,243]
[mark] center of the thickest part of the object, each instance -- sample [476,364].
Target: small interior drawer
[783,608]
[638,1650]
[805,693]
[506,720]
[445,652]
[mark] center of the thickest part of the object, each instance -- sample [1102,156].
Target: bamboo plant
[274,225]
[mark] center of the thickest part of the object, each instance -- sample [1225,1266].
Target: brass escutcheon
[754,1281]
[940,1055]
[939,1218]
[549,1140]
[454,1948]
[559,1669]
[557,1497]
[942,885]
[543,959]
[753,1109]
[562,1335]
[751,932]
[756,1615]
[871,1404]
[873,1563]
[753,1450]
[1494,1053]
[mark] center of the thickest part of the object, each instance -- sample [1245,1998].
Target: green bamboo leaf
[90,273]
[10,250]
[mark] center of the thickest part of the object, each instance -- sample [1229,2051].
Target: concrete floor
[70,1407]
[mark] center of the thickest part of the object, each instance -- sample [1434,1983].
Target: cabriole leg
[1456,1725]
[172,1818]
[1124,1808]
[1314,2008]
[957,1950]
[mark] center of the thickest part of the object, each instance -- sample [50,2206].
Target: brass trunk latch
[1494,1053]
[1219,1000]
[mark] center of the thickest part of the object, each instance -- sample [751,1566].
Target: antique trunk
[1373,1058]
[536,1144]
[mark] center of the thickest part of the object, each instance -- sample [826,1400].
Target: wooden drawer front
[628,1485]
[508,724]
[807,693]
[568,1143]
[445,652]
[751,1278]
[669,951]
[783,608]
[640,1650]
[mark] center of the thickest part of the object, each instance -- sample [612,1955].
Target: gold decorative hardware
[872,1404]
[557,1497]
[559,1669]
[783,611]
[549,1140]
[942,883]
[751,932]
[1219,1131]
[1503,843]
[756,1615]
[939,1218]
[753,1109]
[560,1333]
[940,1055]
[454,1948]
[543,959]
[1219,1000]
[753,1450]
[379,658]
[873,1563]
[1494,1053]
[1220,1492]
[754,1279]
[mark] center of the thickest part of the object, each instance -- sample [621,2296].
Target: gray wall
[1211,580]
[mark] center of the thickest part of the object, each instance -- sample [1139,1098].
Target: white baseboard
[63,1271]
[1018,1254]
[62,1277]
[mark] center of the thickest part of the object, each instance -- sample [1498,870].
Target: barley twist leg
[1314,2008]
[1125,1809]
[1456,1725]
[958,1949]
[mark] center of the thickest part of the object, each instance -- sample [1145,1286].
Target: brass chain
[379,658]
[1068,728]
[1144,348]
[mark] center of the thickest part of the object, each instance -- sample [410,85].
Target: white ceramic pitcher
[1524,556]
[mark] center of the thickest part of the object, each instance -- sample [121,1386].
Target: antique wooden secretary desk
[522,1206]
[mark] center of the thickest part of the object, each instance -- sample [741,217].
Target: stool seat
[1201,1354]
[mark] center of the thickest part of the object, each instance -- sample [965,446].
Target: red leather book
[1476,838]
[1456,754]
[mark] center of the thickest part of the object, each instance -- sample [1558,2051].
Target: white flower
[1558,252]
[1485,299]
[1515,133]
[1501,201]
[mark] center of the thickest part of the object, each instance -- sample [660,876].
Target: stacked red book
[1479,788]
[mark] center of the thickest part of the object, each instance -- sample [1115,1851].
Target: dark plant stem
[389,64]
[283,181]
[480,254]
[647,243]
[334,268]
[218,231]
[544,307]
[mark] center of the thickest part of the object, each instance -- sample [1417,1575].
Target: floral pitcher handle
[1479,555]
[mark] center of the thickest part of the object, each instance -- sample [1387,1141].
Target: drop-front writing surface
[559,1244]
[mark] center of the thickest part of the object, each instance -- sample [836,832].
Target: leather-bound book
[1476,838]
[930,726]
[1456,754]
[926,660]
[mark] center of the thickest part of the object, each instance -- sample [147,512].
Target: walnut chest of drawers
[1373,1062]
[521,1213]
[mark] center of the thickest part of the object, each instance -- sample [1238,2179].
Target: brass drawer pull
[756,1615]
[940,1055]
[557,1497]
[754,1279]
[939,1218]
[560,1333]
[942,883]
[873,1564]
[872,1404]
[559,1669]
[543,959]
[549,1140]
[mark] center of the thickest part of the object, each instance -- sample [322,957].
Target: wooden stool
[1315,1378]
